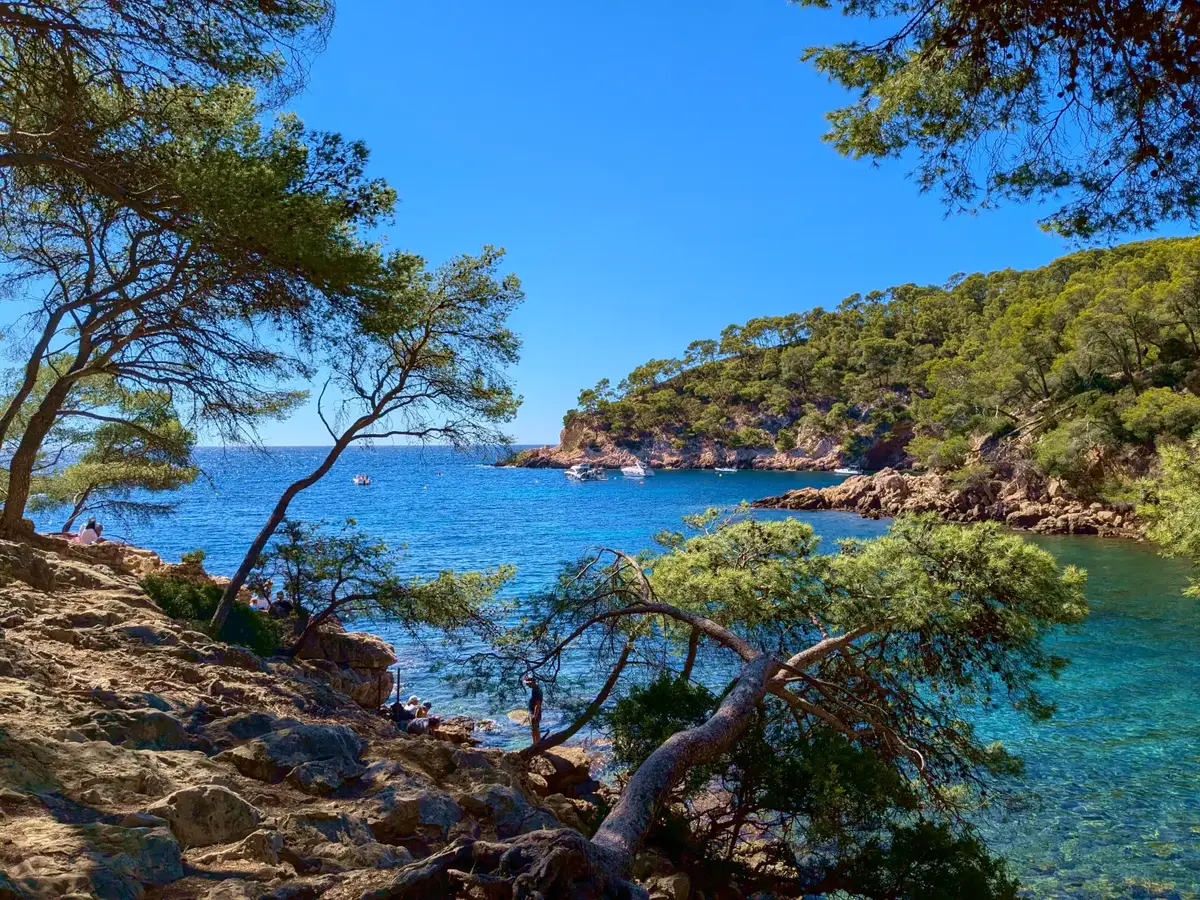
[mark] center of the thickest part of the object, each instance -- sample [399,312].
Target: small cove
[1112,782]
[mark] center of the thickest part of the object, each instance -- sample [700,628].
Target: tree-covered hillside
[1090,360]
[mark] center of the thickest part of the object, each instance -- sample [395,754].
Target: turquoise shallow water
[1112,782]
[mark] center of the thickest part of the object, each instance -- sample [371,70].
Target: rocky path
[139,758]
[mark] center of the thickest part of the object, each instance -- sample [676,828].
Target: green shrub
[785,440]
[195,604]
[1162,411]
[750,437]
[196,556]
[1073,452]
[970,477]
[942,454]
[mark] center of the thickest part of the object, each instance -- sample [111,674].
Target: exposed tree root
[542,865]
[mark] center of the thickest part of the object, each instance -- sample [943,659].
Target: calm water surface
[1113,781]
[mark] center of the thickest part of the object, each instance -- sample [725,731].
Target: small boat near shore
[724,469]
[586,472]
[638,470]
[847,471]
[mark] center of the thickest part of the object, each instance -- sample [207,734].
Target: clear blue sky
[654,169]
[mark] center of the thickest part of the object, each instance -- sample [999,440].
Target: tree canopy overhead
[86,89]
[1090,104]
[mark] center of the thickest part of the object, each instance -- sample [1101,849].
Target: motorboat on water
[724,469]
[638,470]
[585,472]
[847,471]
[361,480]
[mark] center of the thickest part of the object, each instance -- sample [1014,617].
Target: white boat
[638,470]
[847,471]
[585,472]
[724,469]
[361,480]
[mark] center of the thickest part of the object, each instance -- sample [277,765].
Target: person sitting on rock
[89,532]
[261,598]
[535,707]
[424,725]
[400,714]
[413,704]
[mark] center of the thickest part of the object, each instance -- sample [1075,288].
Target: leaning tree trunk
[80,503]
[622,831]
[277,515]
[29,379]
[563,865]
[20,467]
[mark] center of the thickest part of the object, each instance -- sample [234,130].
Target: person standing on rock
[535,708]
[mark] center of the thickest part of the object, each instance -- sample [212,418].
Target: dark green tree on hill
[1099,341]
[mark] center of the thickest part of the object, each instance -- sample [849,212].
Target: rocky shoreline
[662,455]
[1024,502]
[140,758]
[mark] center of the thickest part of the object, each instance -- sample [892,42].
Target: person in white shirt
[89,532]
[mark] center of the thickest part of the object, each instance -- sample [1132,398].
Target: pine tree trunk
[29,380]
[20,474]
[250,560]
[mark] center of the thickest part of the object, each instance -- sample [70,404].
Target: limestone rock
[145,729]
[324,776]
[333,841]
[508,810]
[671,887]
[357,650]
[398,815]
[339,856]
[1022,500]
[568,811]
[272,756]
[209,814]
[259,846]
[97,860]
[358,664]
[230,730]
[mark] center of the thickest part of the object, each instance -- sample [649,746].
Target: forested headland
[1084,367]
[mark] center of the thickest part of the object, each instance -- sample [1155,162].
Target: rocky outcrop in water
[139,758]
[1021,502]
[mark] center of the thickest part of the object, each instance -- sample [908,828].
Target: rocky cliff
[822,456]
[1020,502]
[139,758]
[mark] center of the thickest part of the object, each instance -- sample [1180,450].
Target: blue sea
[1112,784]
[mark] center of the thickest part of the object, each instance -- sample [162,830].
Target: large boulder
[324,776]
[358,664]
[97,860]
[261,846]
[508,810]
[145,729]
[274,755]
[354,649]
[397,814]
[208,814]
[231,730]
